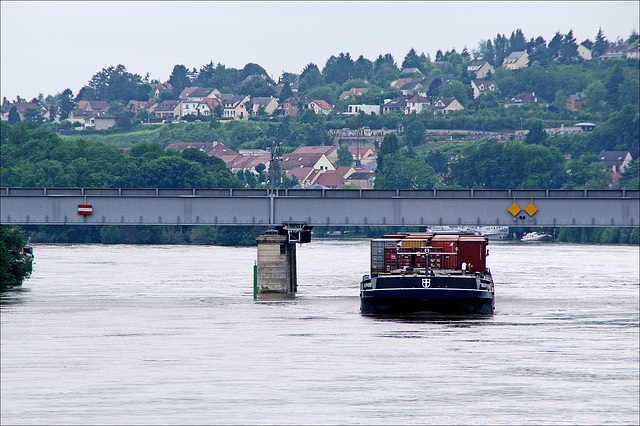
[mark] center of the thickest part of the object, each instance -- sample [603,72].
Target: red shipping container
[449,246]
[472,250]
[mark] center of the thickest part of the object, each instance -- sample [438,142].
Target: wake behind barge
[428,273]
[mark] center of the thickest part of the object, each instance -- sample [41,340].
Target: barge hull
[412,300]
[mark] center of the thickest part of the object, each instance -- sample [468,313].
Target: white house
[480,69]
[365,109]
[446,105]
[416,105]
[584,52]
[320,106]
[481,87]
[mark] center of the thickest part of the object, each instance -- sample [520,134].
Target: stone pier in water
[276,265]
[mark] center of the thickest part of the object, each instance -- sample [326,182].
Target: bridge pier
[276,264]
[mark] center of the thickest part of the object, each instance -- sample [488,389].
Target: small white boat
[534,236]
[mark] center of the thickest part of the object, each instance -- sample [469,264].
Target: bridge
[321,207]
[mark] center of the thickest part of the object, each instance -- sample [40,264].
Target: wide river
[172,335]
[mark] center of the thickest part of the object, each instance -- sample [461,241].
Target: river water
[171,335]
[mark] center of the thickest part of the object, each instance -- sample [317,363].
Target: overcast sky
[50,46]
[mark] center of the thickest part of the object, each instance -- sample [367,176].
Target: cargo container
[444,273]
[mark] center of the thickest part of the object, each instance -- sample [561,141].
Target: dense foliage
[14,266]
[35,157]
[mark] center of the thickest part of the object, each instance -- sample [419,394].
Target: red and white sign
[85,209]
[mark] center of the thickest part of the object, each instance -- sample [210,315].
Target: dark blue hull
[448,295]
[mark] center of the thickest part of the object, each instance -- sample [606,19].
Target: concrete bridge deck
[234,207]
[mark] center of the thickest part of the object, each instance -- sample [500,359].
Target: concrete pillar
[276,264]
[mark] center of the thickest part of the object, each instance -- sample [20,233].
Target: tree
[536,134]
[113,84]
[400,172]
[455,89]
[595,96]
[517,41]
[286,92]
[344,156]
[616,78]
[600,45]
[14,116]
[411,60]
[389,144]
[338,69]
[569,48]
[415,133]
[179,79]
[363,68]
[14,266]
[310,78]
[66,103]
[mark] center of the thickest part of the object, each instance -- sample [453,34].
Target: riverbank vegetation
[245,235]
[15,267]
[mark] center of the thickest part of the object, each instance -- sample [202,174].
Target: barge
[442,273]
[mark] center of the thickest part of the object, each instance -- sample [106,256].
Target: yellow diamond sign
[514,209]
[531,209]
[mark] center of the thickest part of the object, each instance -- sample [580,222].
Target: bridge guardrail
[324,193]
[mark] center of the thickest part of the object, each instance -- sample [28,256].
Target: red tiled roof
[216,149]
[313,149]
[322,104]
[330,178]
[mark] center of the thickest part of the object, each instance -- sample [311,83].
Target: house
[201,93]
[317,160]
[303,174]
[621,51]
[291,106]
[23,107]
[575,102]
[352,93]
[394,105]
[320,106]
[99,121]
[524,99]
[416,105]
[413,86]
[362,155]
[189,107]
[362,178]
[168,109]
[159,88]
[480,69]
[216,149]
[207,106]
[186,92]
[80,116]
[330,151]
[516,60]
[331,178]
[584,52]
[480,87]
[234,106]
[585,127]
[365,109]
[95,106]
[247,162]
[446,105]
[269,105]
[410,71]
[616,162]
[440,65]
[293,86]
[136,106]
